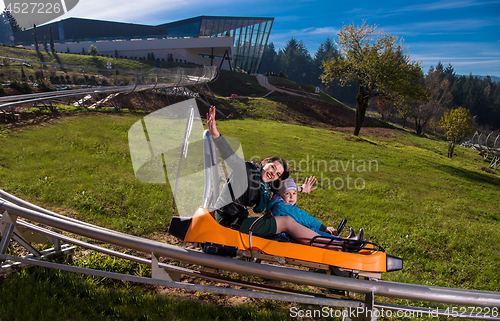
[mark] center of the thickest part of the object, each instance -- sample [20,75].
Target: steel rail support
[381,288]
[170,269]
[44,255]
[188,286]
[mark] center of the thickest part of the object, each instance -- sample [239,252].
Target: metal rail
[380,288]
[167,267]
[486,148]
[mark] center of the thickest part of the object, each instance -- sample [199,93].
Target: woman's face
[272,171]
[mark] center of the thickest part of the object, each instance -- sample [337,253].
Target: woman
[231,206]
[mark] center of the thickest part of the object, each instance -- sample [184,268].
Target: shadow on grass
[57,295]
[471,176]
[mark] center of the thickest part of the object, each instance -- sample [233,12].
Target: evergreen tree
[326,51]
[45,45]
[51,36]
[35,39]
[449,73]
[13,22]
[296,62]
[480,96]
[269,61]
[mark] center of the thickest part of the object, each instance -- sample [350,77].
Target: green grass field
[440,215]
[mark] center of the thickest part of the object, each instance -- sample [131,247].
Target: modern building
[205,40]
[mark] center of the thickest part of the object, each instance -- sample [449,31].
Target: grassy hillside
[303,106]
[82,60]
[229,83]
[440,215]
[13,70]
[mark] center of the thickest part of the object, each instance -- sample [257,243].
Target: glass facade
[250,38]
[250,34]
[188,30]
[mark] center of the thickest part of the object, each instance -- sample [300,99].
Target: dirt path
[264,82]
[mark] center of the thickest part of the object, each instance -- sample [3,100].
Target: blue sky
[463,33]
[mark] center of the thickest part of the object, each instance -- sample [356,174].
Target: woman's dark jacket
[244,187]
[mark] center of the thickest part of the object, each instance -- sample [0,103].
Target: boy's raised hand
[308,184]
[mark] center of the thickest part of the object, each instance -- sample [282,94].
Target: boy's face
[290,197]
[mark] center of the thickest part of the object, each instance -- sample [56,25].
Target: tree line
[445,89]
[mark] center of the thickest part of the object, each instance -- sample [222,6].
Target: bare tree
[440,99]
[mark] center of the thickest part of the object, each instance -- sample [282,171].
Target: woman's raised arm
[212,127]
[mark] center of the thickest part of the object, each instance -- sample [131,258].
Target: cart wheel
[338,272]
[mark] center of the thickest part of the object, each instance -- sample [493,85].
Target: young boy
[283,204]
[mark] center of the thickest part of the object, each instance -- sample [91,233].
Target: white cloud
[482,58]
[461,26]
[328,31]
[144,11]
[325,31]
[444,5]
[433,6]
[417,10]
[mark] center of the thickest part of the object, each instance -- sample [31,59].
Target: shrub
[39,74]
[52,71]
[45,86]
[23,87]
[93,50]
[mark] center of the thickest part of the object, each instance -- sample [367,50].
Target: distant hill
[493,78]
